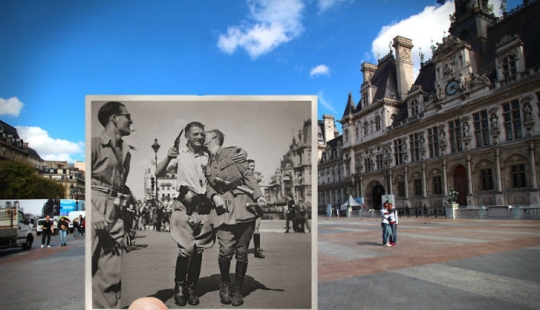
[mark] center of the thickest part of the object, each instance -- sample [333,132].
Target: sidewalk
[437,264]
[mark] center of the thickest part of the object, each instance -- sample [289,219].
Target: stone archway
[461,184]
[376,196]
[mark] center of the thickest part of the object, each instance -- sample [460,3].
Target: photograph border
[223,98]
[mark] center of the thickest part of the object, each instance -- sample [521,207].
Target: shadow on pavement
[369,243]
[211,284]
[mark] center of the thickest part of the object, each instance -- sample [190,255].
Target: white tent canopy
[351,202]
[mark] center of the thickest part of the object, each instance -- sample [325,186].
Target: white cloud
[320,70]
[424,29]
[274,23]
[325,102]
[325,5]
[11,106]
[47,147]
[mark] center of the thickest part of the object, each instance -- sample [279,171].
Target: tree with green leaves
[19,180]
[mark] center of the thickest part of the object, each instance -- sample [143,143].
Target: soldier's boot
[194,272]
[241,268]
[258,250]
[225,285]
[180,292]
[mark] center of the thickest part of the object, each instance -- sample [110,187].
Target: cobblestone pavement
[436,264]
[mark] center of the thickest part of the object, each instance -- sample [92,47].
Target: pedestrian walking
[290,214]
[302,217]
[82,226]
[385,224]
[238,187]
[393,220]
[63,226]
[76,227]
[47,228]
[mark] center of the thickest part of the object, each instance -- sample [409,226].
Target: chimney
[368,70]
[404,65]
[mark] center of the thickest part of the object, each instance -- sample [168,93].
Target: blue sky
[54,53]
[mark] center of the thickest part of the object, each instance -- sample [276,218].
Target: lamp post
[155,147]
[152,184]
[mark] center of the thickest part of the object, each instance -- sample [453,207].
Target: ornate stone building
[470,120]
[294,173]
[71,177]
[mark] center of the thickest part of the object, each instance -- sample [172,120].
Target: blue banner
[67,205]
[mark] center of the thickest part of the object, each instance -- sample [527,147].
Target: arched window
[377,123]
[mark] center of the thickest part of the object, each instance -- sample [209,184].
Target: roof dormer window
[508,66]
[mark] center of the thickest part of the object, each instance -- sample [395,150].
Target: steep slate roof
[9,130]
[524,22]
[426,78]
[33,153]
[334,142]
[384,79]
[403,113]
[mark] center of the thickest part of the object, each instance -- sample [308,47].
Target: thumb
[148,303]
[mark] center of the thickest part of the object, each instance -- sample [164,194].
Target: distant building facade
[331,186]
[469,122]
[294,173]
[71,177]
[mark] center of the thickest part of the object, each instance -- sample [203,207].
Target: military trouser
[234,239]
[107,250]
[188,236]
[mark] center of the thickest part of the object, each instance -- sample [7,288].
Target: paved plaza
[282,280]
[436,264]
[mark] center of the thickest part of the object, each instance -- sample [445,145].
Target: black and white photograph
[201,201]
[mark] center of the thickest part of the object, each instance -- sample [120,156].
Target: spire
[349,109]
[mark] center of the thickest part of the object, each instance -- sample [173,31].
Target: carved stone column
[406,173]
[499,198]
[534,194]
[470,201]
[445,179]
[532,167]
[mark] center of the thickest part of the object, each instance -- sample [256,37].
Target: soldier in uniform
[256,234]
[238,187]
[191,227]
[110,167]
